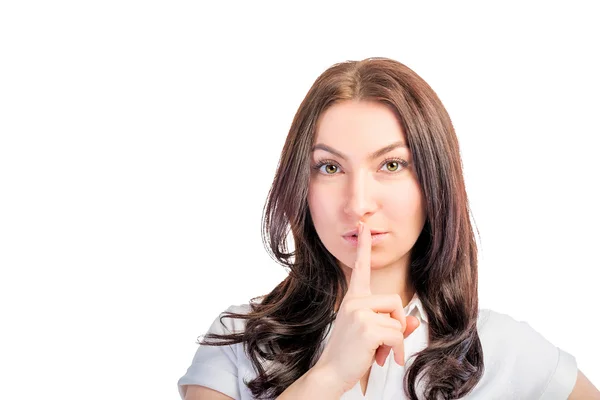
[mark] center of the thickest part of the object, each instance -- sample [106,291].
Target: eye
[331,167]
[394,164]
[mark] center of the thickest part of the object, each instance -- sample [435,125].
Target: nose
[360,196]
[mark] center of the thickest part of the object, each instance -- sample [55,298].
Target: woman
[384,268]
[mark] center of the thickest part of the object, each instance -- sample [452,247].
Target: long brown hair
[286,329]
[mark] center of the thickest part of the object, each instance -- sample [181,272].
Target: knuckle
[369,334]
[372,337]
[397,325]
[360,317]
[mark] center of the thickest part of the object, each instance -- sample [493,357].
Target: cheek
[405,207]
[323,209]
[316,204]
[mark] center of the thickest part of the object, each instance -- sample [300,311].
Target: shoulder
[496,326]
[219,367]
[226,323]
[503,336]
[518,356]
[499,329]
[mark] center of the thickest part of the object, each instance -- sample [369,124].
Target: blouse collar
[416,309]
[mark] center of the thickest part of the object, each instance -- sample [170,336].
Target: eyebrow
[372,156]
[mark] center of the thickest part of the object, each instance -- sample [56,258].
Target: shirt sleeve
[552,370]
[214,367]
[563,378]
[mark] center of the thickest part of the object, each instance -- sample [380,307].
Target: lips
[376,238]
[354,232]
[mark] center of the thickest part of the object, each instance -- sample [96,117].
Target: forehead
[359,126]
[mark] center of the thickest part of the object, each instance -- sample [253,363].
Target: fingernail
[360,227]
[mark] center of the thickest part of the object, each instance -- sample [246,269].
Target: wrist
[319,382]
[326,380]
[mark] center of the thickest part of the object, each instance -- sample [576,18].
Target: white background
[139,140]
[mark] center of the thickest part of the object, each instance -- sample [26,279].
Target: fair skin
[353,186]
[360,327]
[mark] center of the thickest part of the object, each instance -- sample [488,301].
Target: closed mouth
[372,234]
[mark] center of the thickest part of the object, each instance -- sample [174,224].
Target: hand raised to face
[367,326]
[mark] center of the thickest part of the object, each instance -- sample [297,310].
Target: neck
[389,279]
[392,280]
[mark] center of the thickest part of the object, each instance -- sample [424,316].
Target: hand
[363,332]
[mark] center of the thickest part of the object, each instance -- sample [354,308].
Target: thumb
[412,323]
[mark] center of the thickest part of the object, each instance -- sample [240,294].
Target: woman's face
[362,170]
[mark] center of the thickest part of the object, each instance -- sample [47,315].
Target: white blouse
[519,362]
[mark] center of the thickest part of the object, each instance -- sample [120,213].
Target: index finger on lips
[360,280]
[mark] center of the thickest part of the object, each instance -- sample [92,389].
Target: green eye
[394,166]
[330,169]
